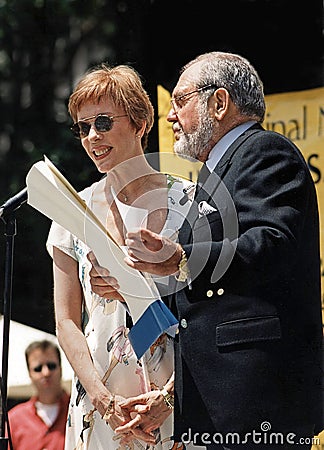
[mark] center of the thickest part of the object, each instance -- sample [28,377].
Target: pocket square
[204,209]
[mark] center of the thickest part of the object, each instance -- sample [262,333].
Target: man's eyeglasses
[178,101]
[50,365]
[102,123]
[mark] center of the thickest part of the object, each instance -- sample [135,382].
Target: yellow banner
[300,117]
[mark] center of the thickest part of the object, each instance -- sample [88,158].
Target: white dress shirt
[222,145]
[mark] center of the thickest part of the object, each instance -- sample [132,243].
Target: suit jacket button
[183,323]
[220,291]
[210,293]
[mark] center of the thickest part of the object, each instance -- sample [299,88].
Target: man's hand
[101,282]
[152,253]
[148,411]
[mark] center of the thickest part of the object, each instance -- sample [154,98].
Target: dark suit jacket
[249,343]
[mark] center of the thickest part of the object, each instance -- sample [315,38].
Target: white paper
[52,195]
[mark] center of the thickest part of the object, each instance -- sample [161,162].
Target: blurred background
[45,45]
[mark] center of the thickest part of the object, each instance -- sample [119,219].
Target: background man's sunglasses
[50,365]
[102,123]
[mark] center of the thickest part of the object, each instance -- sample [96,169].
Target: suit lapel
[203,193]
[186,228]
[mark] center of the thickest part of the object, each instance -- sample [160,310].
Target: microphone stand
[10,232]
[7,214]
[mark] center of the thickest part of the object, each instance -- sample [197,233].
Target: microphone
[14,202]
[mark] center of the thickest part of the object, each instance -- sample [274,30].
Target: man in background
[39,423]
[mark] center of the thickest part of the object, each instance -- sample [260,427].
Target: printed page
[52,195]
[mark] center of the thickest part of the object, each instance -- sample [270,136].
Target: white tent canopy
[20,336]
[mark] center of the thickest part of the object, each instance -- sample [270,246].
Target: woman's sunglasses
[102,123]
[50,365]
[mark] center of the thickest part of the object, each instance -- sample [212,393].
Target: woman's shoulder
[88,191]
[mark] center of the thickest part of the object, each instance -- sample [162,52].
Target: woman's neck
[133,178]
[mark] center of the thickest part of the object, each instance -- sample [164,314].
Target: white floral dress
[105,327]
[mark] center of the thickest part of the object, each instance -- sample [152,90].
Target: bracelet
[183,268]
[168,398]
[111,408]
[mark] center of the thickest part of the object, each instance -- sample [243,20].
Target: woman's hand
[148,412]
[101,282]
[117,416]
[114,414]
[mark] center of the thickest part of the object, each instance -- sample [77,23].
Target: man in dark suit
[248,352]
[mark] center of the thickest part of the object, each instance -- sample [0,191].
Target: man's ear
[220,102]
